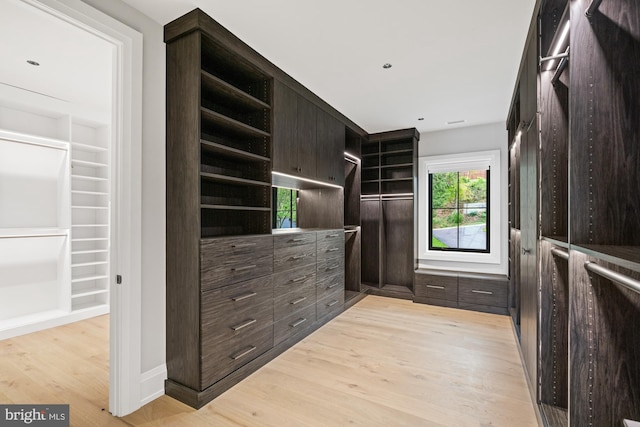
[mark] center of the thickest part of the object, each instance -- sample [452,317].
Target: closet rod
[626,281]
[593,6]
[560,253]
[551,58]
[351,161]
[561,67]
[397,198]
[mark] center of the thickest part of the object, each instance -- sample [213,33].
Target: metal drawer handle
[299,279]
[481,292]
[435,287]
[298,322]
[246,267]
[244,296]
[299,256]
[243,245]
[244,324]
[333,286]
[297,240]
[298,301]
[332,303]
[243,352]
[333,249]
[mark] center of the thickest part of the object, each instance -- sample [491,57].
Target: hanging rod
[350,160]
[560,253]
[593,7]
[626,281]
[562,65]
[552,57]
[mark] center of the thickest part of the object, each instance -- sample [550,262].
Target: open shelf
[230,125]
[227,151]
[624,256]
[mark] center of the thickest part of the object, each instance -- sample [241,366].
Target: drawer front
[294,324]
[330,244]
[236,310]
[225,261]
[483,292]
[437,287]
[291,254]
[294,290]
[330,284]
[330,267]
[220,359]
[331,304]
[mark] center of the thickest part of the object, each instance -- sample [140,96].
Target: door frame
[126,244]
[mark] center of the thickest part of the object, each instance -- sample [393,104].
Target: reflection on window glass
[459,207]
[284,211]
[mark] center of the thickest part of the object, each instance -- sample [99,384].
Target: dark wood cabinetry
[330,142]
[585,243]
[388,212]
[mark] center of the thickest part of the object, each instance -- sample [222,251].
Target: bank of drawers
[237,326]
[293,250]
[330,273]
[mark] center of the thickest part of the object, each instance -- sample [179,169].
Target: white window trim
[455,162]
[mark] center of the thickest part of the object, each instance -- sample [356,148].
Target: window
[284,211]
[459,211]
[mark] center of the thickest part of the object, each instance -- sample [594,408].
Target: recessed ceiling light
[29,61]
[420,118]
[387,66]
[455,122]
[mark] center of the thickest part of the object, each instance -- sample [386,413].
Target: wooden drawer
[294,250]
[330,244]
[330,284]
[436,286]
[330,267]
[294,290]
[220,359]
[295,323]
[331,304]
[482,292]
[236,310]
[228,260]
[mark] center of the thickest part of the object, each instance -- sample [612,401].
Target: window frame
[458,208]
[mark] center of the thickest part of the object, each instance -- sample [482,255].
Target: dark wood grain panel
[605,370]
[294,290]
[321,208]
[604,108]
[399,259]
[330,245]
[352,261]
[306,138]
[294,256]
[295,324]
[482,292]
[554,327]
[352,173]
[331,304]
[371,216]
[330,140]
[183,209]
[329,284]
[443,287]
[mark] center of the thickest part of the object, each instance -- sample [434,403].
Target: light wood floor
[384,362]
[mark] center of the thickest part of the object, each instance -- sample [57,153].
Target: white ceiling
[452,59]
[75,66]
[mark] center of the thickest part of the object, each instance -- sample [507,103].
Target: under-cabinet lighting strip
[351,156]
[312,181]
[560,43]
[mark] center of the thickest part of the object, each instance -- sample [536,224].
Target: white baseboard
[152,384]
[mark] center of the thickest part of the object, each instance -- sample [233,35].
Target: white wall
[153,179]
[463,140]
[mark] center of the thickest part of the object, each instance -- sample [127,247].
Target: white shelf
[34,140]
[89,178]
[14,233]
[89,225]
[90,193]
[89,239]
[89,207]
[90,251]
[89,264]
[97,308]
[87,147]
[86,163]
[88,278]
[88,292]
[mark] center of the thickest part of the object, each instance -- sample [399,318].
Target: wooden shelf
[232,125]
[398,165]
[224,150]
[386,153]
[562,241]
[236,208]
[233,180]
[624,256]
[14,233]
[230,93]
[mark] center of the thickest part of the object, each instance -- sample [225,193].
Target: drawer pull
[243,245]
[333,286]
[299,279]
[299,256]
[481,292]
[332,303]
[333,249]
[244,296]
[244,324]
[435,287]
[243,352]
[298,301]
[298,322]
[333,235]
[297,240]
[246,267]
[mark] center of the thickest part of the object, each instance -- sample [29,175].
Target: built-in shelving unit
[353,233]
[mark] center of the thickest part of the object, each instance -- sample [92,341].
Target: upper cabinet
[307,141]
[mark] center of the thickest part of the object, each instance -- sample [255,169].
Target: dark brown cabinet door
[306,137]
[330,148]
[285,119]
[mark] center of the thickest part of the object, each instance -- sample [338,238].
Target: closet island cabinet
[238,292]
